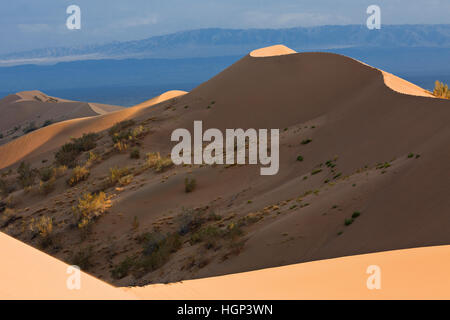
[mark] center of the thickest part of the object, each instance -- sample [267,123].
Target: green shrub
[348,222]
[299,158]
[157,250]
[26,175]
[68,153]
[45,174]
[115,174]
[356,214]
[78,174]
[123,268]
[121,126]
[189,184]
[306,141]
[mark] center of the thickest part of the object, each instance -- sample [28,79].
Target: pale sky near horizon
[31,24]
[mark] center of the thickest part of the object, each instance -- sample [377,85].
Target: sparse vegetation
[78,174]
[45,187]
[158,163]
[83,258]
[441,90]
[27,175]
[189,184]
[299,158]
[89,207]
[29,128]
[306,141]
[44,228]
[67,155]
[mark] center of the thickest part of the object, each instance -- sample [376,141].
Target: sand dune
[420,273]
[27,273]
[365,148]
[50,138]
[36,109]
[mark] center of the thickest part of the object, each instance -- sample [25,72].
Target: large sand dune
[422,273]
[378,145]
[34,108]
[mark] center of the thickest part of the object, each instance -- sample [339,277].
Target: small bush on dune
[6,187]
[189,184]
[78,174]
[45,174]
[441,90]
[68,153]
[89,207]
[121,126]
[26,175]
[158,163]
[45,187]
[31,127]
[83,258]
[116,174]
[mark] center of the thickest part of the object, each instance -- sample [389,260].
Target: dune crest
[53,136]
[276,50]
[402,86]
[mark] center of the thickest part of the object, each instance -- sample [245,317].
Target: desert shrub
[30,127]
[189,184]
[26,175]
[1,135]
[300,158]
[157,250]
[348,221]
[68,153]
[116,174]
[306,141]
[135,153]
[45,174]
[356,214]
[45,187]
[121,126]
[316,171]
[93,158]
[189,221]
[207,233]
[123,268]
[78,174]
[83,258]
[44,228]
[158,163]
[441,90]
[89,207]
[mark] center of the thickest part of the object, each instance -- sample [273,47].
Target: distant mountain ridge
[222,42]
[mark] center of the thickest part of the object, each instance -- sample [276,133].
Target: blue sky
[30,24]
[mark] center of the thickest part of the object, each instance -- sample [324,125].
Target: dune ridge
[55,135]
[419,273]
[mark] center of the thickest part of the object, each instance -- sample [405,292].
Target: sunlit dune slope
[27,273]
[53,136]
[420,273]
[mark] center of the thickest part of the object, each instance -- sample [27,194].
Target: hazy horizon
[26,25]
